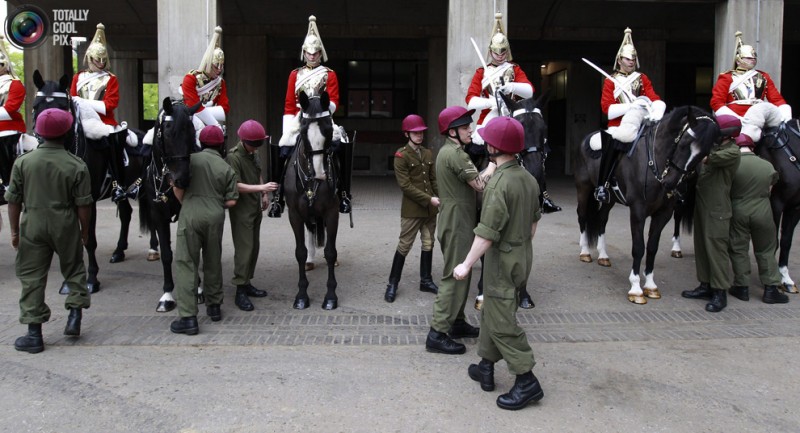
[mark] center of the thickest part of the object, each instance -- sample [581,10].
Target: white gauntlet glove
[786,112]
[478,103]
[523,90]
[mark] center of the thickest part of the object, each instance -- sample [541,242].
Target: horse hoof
[336,263]
[652,293]
[478,304]
[309,266]
[301,303]
[637,299]
[64,290]
[606,262]
[93,287]
[165,306]
[153,256]
[790,288]
[586,258]
[117,257]
[676,254]
[330,304]
[526,303]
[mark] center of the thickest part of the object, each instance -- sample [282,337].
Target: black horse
[659,161]
[173,142]
[781,147]
[99,159]
[310,188]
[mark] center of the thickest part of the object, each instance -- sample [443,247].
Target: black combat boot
[185,325]
[718,302]
[773,295]
[483,372]
[255,293]
[740,292]
[439,342]
[214,312]
[526,389]
[73,327]
[394,276]
[242,300]
[33,341]
[426,283]
[703,291]
[462,329]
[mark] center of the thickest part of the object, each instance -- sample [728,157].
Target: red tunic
[721,96]
[190,97]
[607,98]
[291,106]
[16,96]
[110,97]
[476,90]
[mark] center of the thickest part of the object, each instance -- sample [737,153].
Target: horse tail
[687,204]
[594,223]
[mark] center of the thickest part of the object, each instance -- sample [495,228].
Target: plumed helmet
[313,41]
[626,49]
[413,123]
[53,123]
[729,126]
[252,132]
[744,140]
[214,56]
[453,117]
[98,49]
[5,60]
[504,134]
[742,50]
[211,135]
[498,42]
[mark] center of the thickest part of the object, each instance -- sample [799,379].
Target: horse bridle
[523,112]
[781,136]
[670,163]
[159,179]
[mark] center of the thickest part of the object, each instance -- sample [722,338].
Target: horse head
[528,113]
[316,130]
[50,94]
[695,133]
[175,139]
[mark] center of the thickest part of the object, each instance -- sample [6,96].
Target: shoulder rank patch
[398,154]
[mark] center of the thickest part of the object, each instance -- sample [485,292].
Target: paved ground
[605,364]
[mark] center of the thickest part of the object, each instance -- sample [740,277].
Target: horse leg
[479,298]
[167,301]
[125,212]
[790,220]
[525,300]
[152,253]
[602,254]
[311,247]
[91,247]
[657,223]
[301,300]
[676,235]
[637,218]
[331,301]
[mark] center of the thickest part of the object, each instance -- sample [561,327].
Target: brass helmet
[313,41]
[742,51]
[626,49]
[5,61]
[214,56]
[97,49]
[498,42]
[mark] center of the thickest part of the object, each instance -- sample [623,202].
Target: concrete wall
[761,22]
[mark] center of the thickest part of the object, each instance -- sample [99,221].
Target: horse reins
[781,136]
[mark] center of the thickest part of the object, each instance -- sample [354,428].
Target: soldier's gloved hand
[286,151]
[507,88]
[642,102]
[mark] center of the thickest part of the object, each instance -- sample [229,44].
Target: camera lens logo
[26,27]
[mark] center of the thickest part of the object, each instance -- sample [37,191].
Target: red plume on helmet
[453,117]
[413,123]
[504,134]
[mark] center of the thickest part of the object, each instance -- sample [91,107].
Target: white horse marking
[636,289]
[317,141]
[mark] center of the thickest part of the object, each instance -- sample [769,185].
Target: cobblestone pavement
[362,367]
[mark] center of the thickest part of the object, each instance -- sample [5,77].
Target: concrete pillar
[653,62]
[583,112]
[126,67]
[761,22]
[184,27]
[437,89]
[473,19]
[51,61]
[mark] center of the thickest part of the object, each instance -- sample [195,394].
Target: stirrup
[133,190]
[117,193]
[344,203]
[275,208]
[601,194]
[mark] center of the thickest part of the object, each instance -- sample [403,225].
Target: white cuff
[657,110]
[206,117]
[291,124]
[332,108]
[479,103]
[726,111]
[786,112]
[4,114]
[217,111]
[98,106]
[617,110]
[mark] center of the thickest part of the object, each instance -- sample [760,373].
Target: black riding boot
[483,372]
[548,205]
[718,302]
[116,165]
[394,276]
[345,172]
[608,161]
[526,389]
[32,342]
[426,283]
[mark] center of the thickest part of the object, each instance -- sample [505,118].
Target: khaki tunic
[50,182]
[510,207]
[200,229]
[245,216]
[457,218]
[416,176]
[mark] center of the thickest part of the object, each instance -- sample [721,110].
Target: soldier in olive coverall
[509,216]
[52,184]
[752,216]
[200,226]
[416,176]
[712,217]
[246,215]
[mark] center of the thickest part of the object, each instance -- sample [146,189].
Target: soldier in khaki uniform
[52,184]
[213,188]
[246,215]
[457,180]
[509,216]
[712,217]
[752,217]
[416,176]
